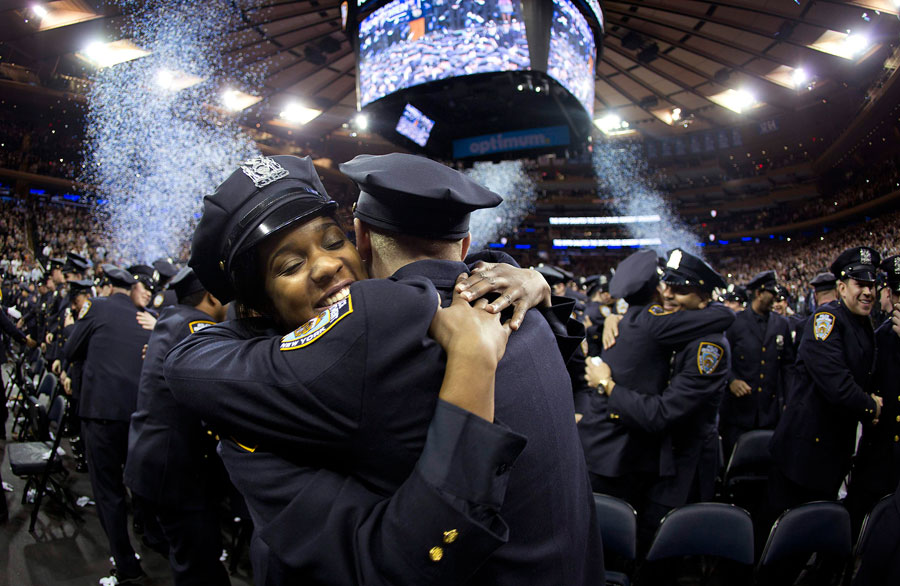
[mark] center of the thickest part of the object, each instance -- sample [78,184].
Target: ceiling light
[856,44]
[299,114]
[361,121]
[735,100]
[236,100]
[39,11]
[799,77]
[847,45]
[108,54]
[676,114]
[175,80]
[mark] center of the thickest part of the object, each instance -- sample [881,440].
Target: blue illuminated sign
[534,138]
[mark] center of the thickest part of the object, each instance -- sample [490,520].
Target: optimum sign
[534,138]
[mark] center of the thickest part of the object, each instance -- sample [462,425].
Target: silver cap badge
[263,170]
[865,256]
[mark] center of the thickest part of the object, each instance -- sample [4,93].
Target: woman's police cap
[856,263]
[75,263]
[683,268]
[82,286]
[263,196]
[636,273]
[416,196]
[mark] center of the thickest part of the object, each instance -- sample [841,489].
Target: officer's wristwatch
[601,387]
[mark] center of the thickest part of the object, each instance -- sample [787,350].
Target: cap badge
[674,260]
[263,170]
[897,265]
[865,256]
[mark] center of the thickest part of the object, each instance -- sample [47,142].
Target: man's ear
[465,246]
[363,240]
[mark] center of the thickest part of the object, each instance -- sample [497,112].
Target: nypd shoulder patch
[317,326]
[200,324]
[84,308]
[823,323]
[658,310]
[708,357]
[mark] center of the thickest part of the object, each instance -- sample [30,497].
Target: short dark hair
[193,299]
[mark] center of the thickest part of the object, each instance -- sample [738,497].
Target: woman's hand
[146,319]
[596,372]
[521,288]
[611,330]
[475,341]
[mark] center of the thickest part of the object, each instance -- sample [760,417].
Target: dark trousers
[106,444]
[195,545]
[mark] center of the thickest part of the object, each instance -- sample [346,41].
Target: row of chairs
[39,412]
[726,531]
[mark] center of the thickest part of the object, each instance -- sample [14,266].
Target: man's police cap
[636,273]
[683,268]
[55,263]
[766,280]
[823,282]
[75,263]
[891,266]
[118,277]
[736,294]
[856,263]
[81,286]
[416,196]
[596,284]
[184,283]
[260,198]
[551,274]
[165,268]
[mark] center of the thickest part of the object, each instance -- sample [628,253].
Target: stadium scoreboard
[435,74]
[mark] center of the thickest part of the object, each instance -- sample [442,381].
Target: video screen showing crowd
[645,384]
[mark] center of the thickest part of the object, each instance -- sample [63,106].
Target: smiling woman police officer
[268,239]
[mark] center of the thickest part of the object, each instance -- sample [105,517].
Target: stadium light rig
[102,54]
[735,100]
[236,100]
[39,11]
[361,122]
[613,125]
[298,114]
[847,45]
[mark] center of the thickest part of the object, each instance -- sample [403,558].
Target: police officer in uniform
[762,353]
[876,469]
[171,455]
[600,305]
[626,462]
[685,412]
[108,340]
[815,439]
[368,352]
[164,296]
[80,292]
[735,298]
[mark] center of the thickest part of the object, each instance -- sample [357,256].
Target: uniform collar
[439,272]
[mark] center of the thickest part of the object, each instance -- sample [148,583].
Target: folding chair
[748,471]
[35,424]
[618,528]
[30,378]
[821,528]
[721,533]
[878,512]
[37,462]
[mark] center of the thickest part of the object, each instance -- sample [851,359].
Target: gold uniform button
[761,375]
[450,536]
[758,389]
[436,554]
[898,419]
[762,362]
[764,349]
[817,440]
[897,438]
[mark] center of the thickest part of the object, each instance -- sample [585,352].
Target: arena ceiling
[693,58]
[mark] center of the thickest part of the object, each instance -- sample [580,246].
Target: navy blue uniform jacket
[168,447]
[108,340]
[764,363]
[815,439]
[640,361]
[685,412]
[352,393]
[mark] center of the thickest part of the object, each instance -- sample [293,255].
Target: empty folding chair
[618,528]
[40,464]
[748,472]
[877,553]
[35,425]
[716,531]
[821,528]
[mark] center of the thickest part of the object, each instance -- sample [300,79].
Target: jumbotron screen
[414,125]
[572,53]
[410,42]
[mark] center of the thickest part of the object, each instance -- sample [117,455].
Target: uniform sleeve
[681,327]
[827,367]
[77,343]
[703,374]
[9,328]
[438,528]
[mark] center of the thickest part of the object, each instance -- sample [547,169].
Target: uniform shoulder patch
[657,309]
[200,324]
[158,300]
[84,308]
[823,323]
[708,357]
[317,326]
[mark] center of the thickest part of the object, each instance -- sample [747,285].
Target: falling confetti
[154,145]
[623,173]
[512,182]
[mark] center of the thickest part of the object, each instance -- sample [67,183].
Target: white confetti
[510,180]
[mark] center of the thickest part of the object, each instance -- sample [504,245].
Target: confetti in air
[623,173]
[154,145]
[510,180]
